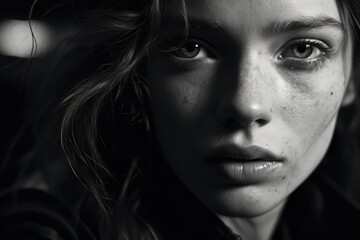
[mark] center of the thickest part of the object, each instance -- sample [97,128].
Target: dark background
[60,16]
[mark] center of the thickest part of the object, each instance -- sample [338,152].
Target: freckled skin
[286,110]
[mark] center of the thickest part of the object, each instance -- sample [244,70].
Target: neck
[255,228]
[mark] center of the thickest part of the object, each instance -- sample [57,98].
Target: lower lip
[247,172]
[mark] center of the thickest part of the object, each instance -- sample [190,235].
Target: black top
[319,210]
[33,214]
[316,210]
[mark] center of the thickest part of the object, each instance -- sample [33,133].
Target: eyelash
[312,63]
[293,63]
[204,50]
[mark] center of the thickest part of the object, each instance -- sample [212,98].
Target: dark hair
[106,128]
[105,122]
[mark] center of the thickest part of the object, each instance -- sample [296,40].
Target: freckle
[331,93]
[283,178]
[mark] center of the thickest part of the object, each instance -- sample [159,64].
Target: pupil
[302,49]
[189,50]
[191,47]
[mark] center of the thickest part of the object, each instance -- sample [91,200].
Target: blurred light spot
[16,38]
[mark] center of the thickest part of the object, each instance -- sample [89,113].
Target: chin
[244,202]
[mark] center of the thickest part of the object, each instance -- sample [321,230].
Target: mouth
[244,165]
[243,154]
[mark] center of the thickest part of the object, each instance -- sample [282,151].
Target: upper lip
[243,153]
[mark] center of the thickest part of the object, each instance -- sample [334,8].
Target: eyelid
[204,46]
[324,47]
[305,64]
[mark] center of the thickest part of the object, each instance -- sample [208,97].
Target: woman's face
[245,110]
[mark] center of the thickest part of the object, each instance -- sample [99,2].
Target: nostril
[233,122]
[261,122]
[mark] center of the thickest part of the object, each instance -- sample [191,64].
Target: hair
[105,118]
[106,123]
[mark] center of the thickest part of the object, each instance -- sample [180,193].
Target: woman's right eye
[191,50]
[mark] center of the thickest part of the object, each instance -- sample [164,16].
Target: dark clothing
[319,210]
[316,210]
[33,214]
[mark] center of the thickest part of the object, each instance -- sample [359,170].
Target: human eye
[304,54]
[192,50]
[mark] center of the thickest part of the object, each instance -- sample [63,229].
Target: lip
[244,165]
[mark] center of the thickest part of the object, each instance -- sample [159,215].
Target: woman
[215,119]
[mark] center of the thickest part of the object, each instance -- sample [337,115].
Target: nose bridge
[250,99]
[252,85]
[248,78]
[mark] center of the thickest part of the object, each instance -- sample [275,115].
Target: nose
[248,102]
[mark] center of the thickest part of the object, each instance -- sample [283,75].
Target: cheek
[313,101]
[180,94]
[179,103]
[310,111]
[176,99]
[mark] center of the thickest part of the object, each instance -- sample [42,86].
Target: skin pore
[254,74]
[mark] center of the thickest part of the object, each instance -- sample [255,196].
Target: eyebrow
[304,23]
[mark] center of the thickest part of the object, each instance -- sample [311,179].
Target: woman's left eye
[304,49]
[304,54]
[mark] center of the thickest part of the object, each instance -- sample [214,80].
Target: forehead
[254,13]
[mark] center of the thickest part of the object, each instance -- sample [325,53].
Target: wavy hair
[105,130]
